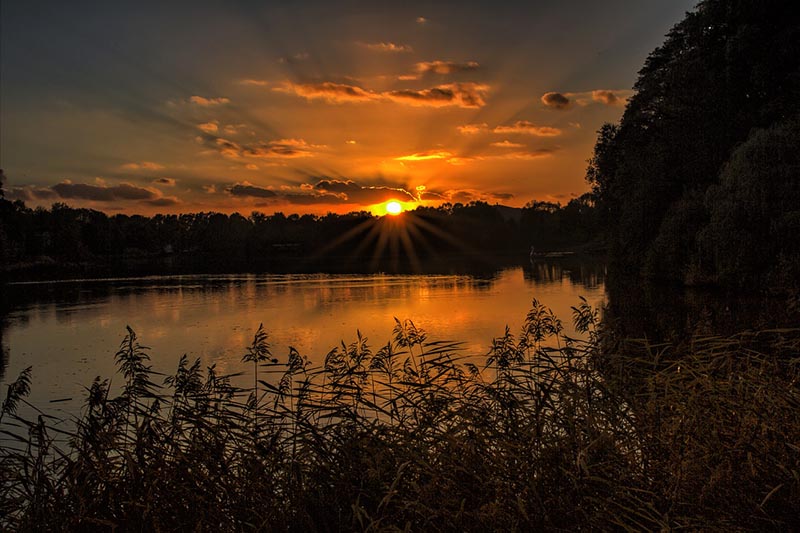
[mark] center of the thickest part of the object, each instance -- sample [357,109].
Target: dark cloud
[248,190]
[445,67]
[164,201]
[167,182]
[467,95]
[351,192]
[502,195]
[279,149]
[104,193]
[30,192]
[556,100]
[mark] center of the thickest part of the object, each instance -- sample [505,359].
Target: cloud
[144,165]
[561,101]
[351,192]
[103,193]
[445,67]
[616,98]
[465,196]
[425,156]
[299,56]
[233,129]
[507,144]
[387,47]
[328,91]
[164,201]
[166,182]
[468,95]
[421,20]
[208,102]
[209,127]
[280,148]
[519,155]
[324,191]
[472,129]
[556,100]
[27,193]
[528,128]
[246,189]
[253,82]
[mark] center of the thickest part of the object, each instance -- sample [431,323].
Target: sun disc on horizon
[394,207]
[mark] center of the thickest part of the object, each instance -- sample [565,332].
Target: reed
[543,432]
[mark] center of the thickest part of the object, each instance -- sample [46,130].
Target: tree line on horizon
[80,235]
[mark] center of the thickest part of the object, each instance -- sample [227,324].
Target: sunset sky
[313,107]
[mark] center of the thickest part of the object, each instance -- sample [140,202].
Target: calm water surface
[69,331]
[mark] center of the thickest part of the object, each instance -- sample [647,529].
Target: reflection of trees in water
[663,313]
[4,309]
[587,272]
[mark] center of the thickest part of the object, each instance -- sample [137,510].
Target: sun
[394,207]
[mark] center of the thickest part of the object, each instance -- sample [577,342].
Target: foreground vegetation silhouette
[545,432]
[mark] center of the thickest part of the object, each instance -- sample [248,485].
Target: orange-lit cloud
[143,165]
[425,156]
[609,97]
[253,82]
[445,67]
[507,144]
[328,91]
[519,155]
[467,94]
[208,102]
[387,47]
[472,129]
[528,128]
[209,127]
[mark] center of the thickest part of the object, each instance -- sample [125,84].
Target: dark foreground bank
[544,432]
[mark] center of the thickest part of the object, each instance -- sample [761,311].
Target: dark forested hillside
[700,182]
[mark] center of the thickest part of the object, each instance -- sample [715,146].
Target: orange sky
[310,107]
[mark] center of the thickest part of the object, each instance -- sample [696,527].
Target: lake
[69,330]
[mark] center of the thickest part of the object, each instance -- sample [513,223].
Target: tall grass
[544,432]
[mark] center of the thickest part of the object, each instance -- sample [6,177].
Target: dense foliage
[543,433]
[700,181]
[233,241]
